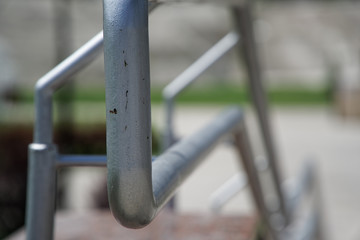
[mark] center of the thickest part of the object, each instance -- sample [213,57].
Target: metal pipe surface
[243,145]
[137,188]
[81,161]
[243,23]
[58,76]
[42,153]
[200,65]
[40,202]
[128,120]
[187,77]
[218,2]
[174,166]
[51,81]
[304,184]
[227,191]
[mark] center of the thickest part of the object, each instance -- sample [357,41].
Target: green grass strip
[212,94]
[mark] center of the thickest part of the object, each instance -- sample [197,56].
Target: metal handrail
[243,24]
[53,80]
[192,73]
[189,76]
[227,191]
[43,154]
[135,191]
[138,187]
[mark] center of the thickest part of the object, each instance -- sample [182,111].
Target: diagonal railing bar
[53,80]
[174,166]
[190,75]
[41,189]
[58,76]
[210,57]
[242,143]
[242,16]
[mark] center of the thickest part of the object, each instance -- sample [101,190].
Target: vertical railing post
[128,113]
[243,23]
[41,190]
[242,144]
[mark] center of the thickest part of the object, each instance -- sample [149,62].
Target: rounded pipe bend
[128,114]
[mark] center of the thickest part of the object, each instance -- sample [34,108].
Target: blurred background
[309,53]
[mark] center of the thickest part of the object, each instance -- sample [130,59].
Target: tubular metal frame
[243,23]
[190,75]
[242,18]
[138,188]
[43,156]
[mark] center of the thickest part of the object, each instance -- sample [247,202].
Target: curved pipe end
[131,204]
[130,219]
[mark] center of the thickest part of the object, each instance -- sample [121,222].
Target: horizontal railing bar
[227,191]
[51,81]
[138,188]
[81,161]
[220,2]
[200,65]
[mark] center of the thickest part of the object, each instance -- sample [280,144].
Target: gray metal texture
[58,76]
[227,191]
[128,120]
[173,167]
[42,153]
[211,56]
[218,2]
[40,205]
[187,77]
[81,161]
[137,188]
[43,158]
[53,80]
[243,23]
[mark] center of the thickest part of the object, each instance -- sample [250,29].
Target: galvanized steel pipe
[137,188]
[41,189]
[181,82]
[243,23]
[51,81]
